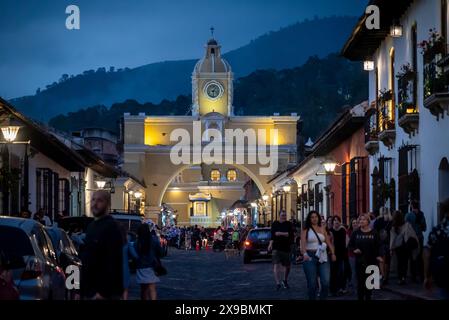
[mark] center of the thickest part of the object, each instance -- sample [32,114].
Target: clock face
[213,90]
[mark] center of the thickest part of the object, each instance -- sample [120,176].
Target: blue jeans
[314,269]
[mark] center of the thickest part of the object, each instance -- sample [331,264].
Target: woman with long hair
[314,244]
[364,244]
[404,244]
[353,226]
[147,250]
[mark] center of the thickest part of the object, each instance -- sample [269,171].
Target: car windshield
[21,246]
[259,235]
[54,238]
[130,225]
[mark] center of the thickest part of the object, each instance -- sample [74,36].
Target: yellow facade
[147,145]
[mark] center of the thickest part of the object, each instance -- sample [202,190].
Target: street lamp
[329,166]
[368,65]
[100,184]
[396,30]
[265,197]
[10,133]
[138,195]
[286,187]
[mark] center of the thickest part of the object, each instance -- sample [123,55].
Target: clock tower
[212,83]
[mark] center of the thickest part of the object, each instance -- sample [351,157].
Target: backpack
[439,262]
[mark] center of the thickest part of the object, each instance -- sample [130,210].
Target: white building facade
[407,132]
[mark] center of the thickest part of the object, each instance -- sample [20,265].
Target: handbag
[158,268]
[321,253]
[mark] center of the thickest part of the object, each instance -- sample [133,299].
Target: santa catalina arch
[201,163]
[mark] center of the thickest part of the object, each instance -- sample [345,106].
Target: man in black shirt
[102,276]
[282,237]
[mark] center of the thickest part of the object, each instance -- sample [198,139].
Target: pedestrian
[102,257]
[127,254]
[329,224]
[365,245]
[437,254]
[282,237]
[147,252]
[188,241]
[236,239]
[417,220]
[403,243]
[337,276]
[383,227]
[25,213]
[353,226]
[314,244]
[203,237]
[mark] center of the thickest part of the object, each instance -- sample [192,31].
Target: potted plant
[433,46]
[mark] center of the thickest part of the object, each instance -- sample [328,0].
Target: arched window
[215,175]
[414,40]
[444,22]
[392,79]
[231,175]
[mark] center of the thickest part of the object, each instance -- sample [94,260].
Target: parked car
[66,252]
[76,229]
[256,244]
[35,272]
[74,224]
[129,221]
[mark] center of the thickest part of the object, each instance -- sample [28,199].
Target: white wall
[41,161]
[433,135]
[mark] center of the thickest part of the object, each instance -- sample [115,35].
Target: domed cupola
[212,82]
[212,61]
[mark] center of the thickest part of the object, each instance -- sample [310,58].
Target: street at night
[208,275]
[181,155]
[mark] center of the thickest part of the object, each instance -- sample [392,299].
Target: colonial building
[42,169]
[407,133]
[201,190]
[333,178]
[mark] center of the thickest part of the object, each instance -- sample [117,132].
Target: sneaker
[285,284]
[278,287]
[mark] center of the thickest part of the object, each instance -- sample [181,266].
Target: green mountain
[317,91]
[285,48]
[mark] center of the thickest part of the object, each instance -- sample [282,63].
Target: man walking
[282,237]
[417,220]
[102,275]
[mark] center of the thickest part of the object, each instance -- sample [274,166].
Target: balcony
[436,84]
[407,108]
[371,132]
[387,128]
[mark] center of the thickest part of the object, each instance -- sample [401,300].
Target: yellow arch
[186,166]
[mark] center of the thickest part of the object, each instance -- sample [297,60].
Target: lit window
[231,175]
[215,175]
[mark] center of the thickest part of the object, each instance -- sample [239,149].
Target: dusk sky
[36,48]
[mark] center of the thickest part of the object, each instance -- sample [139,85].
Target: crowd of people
[200,238]
[336,257]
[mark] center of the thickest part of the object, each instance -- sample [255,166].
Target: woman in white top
[314,244]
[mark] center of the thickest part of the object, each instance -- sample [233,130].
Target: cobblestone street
[208,275]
